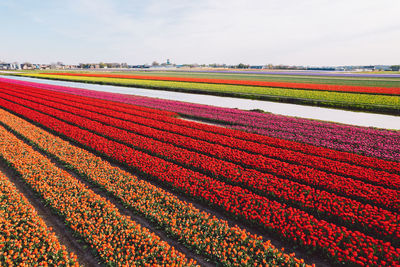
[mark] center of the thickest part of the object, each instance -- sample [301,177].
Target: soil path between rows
[63,233]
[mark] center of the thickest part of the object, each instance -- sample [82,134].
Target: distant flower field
[373,99]
[193,182]
[309,86]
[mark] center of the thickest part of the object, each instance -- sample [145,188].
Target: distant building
[9,66]
[138,66]
[257,67]
[28,66]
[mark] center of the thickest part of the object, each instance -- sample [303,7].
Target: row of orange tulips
[114,237]
[24,237]
[197,230]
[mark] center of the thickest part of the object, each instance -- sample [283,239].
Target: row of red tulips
[269,141]
[309,86]
[199,231]
[24,236]
[120,119]
[384,197]
[336,242]
[114,237]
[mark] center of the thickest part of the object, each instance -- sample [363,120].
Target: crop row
[24,236]
[111,105]
[113,236]
[334,76]
[309,86]
[197,230]
[119,119]
[384,197]
[354,214]
[338,243]
[367,141]
[377,103]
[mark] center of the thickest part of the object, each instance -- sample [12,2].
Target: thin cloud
[254,32]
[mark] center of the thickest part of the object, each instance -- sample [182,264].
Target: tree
[155,63]
[395,68]
[242,66]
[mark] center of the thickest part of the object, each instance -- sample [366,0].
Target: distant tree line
[395,67]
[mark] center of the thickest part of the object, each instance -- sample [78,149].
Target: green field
[354,101]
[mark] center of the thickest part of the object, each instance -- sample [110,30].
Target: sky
[256,32]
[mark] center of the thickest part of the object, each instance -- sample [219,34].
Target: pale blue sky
[308,32]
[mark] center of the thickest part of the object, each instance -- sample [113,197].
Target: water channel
[309,112]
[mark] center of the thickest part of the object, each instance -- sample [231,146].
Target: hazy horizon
[309,33]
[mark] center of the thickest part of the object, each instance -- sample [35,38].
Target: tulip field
[309,86]
[364,98]
[138,183]
[24,233]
